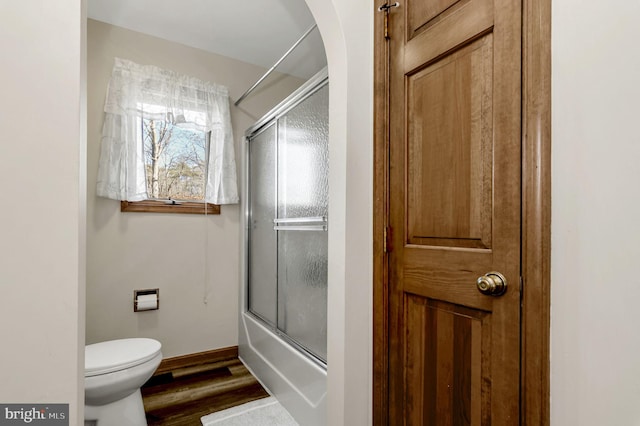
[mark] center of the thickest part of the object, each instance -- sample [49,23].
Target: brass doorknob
[492,284]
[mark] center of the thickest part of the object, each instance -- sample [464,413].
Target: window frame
[158,206]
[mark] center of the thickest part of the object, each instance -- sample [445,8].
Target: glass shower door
[288,197]
[263,273]
[303,181]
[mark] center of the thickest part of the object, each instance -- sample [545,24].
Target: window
[167,143]
[175,161]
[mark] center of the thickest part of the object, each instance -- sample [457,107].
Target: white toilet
[114,371]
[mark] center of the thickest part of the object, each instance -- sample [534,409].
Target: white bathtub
[299,383]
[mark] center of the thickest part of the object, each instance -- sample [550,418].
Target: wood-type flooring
[180,395]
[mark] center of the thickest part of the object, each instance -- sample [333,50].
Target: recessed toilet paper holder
[149,300]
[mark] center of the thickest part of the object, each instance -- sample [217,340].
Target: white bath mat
[262,412]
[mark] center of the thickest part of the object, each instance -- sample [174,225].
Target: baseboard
[215,355]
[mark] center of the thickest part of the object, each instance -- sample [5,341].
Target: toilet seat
[115,355]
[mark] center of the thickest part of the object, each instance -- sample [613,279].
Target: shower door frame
[294,375]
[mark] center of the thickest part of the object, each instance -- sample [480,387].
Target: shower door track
[311,86]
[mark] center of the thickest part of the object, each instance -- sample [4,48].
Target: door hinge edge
[384,239]
[385,9]
[386,243]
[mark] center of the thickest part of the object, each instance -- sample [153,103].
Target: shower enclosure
[283,327]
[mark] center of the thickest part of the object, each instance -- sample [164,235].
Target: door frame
[536,216]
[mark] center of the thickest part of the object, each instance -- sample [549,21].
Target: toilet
[113,374]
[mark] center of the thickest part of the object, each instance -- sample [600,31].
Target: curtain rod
[245,94]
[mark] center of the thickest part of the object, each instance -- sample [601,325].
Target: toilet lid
[114,355]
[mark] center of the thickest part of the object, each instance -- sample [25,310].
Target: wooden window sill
[153,206]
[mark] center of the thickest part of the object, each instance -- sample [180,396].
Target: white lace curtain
[145,91]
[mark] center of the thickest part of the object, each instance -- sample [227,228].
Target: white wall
[42,219]
[595,364]
[347,31]
[187,256]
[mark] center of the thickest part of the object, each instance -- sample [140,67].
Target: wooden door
[454,194]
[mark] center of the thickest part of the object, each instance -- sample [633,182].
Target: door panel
[450,145]
[454,211]
[454,27]
[422,12]
[445,345]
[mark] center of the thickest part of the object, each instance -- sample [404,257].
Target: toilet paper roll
[147,302]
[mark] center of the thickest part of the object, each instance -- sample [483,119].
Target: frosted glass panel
[303,176]
[263,288]
[303,158]
[302,296]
